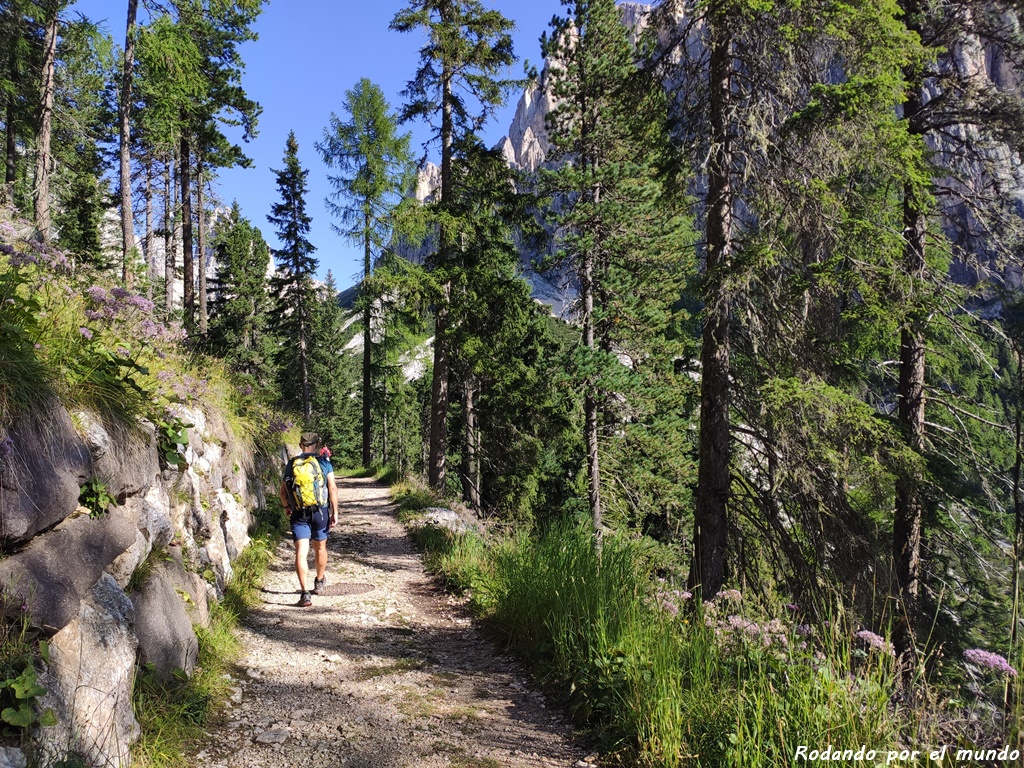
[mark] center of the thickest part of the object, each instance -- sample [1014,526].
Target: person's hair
[309,439]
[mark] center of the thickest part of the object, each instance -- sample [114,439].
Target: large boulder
[88,681]
[40,474]
[127,461]
[234,519]
[162,622]
[155,531]
[57,569]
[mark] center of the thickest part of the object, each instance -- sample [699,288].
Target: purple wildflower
[123,352]
[98,294]
[6,447]
[989,661]
[6,249]
[141,302]
[792,607]
[22,259]
[85,332]
[877,642]
[120,293]
[729,594]
[92,314]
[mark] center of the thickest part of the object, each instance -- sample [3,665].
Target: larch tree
[373,168]
[457,87]
[293,282]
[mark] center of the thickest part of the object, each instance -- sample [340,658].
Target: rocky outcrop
[126,585]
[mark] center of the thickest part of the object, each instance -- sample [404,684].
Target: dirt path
[395,675]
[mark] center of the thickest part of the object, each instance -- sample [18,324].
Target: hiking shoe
[304,600]
[317,583]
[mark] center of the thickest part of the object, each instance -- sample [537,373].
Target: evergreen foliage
[241,306]
[456,89]
[375,171]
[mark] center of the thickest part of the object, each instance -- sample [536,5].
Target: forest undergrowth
[665,680]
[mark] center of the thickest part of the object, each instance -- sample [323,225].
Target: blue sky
[308,54]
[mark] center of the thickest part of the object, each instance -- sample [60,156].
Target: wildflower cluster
[875,642]
[989,660]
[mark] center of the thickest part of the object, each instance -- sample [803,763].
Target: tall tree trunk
[151,270]
[439,383]
[10,151]
[591,405]
[169,240]
[187,255]
[909,511]
[367,341]
[46,93]
[307,409]
[471,461]
[708,568]
[123,115]
[201,242]
[1018,529]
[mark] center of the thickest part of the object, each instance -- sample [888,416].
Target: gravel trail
[393,673]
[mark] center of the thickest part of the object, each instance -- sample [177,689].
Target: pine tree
[374,167]
[293,282]
[467,49]
[608,130]
[241,306]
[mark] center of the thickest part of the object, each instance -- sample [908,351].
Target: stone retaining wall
[80,577]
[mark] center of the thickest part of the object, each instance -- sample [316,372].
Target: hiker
[310,497]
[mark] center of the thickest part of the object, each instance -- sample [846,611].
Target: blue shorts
[310,527]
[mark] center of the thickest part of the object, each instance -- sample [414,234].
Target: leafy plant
[21,716]
[95,497]
[172,437]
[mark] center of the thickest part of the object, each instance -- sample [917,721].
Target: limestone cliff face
[527,147]
[78,577]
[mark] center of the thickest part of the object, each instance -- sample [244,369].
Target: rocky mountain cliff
[527,145]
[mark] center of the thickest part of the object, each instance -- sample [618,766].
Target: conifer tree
[468,48]
[334,376]
[374,167]
[293,282]
[241,306]
[608,129]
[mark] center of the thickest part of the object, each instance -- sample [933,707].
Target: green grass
[174,713]
[659,680]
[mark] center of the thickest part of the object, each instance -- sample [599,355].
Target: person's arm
[283,494]
[332,496]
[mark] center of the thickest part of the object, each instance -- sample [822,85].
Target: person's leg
[318,540]
[301,566]
[320,557]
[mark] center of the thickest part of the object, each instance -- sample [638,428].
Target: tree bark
[708,568]
[150,252]
[188,276]
[367,341]
[124,113]
[169,240]
[471,468]
[307,409]
[46,93]
[10,152]
[909,512]
[439,396]
[201,242]
[590,402]
[439,383]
